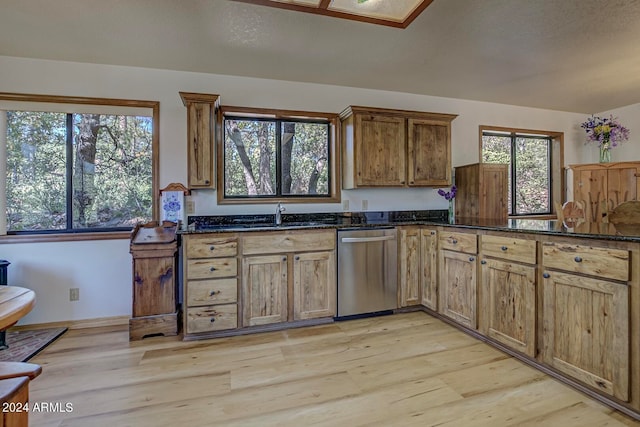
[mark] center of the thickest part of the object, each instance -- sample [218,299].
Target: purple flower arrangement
[449,195]
[607,132]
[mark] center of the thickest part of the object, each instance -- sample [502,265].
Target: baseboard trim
[77,324]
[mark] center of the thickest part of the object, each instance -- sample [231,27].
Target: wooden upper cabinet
[395,148]
[202,110]
[380,156]
[482,191]
[603,186]
[429,152]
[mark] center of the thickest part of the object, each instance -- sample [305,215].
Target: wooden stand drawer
[601,262]
[459,242]
[506,248]
[212,318]
[212,268]
[207,292]
[208,246]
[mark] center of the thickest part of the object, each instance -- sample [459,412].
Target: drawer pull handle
[297,258]
[483,262]
[504,248]
[212,293]
[577,259]
[546,275]
[433,233]
[211,247]
[454,241]
[471,259]
[212,269]
[213,319]
[284,258]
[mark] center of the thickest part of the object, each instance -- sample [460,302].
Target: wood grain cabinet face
[264,289]
[508,304]
[201,123]
[395,148]
[314,285]
[153,286]
[603,186]
[457,291]
[211,282]
[429,153]
[586,330]
[381,155]
[417,267]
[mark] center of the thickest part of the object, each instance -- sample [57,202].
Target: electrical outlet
[74,294]
[365,204]
[190,207]
[345,205]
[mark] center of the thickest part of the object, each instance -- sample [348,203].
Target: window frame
[92,234]
[248,113]
[557,183]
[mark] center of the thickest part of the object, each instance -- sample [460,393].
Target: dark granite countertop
[245,223]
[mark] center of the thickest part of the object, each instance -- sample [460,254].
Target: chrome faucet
[279,210]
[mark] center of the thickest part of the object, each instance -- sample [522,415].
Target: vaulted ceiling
[571,55]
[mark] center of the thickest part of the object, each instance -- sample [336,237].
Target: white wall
[102,269]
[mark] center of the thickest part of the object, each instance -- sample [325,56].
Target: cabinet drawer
[459,242]
[289,241]
[212,268]
[601,262]
[210,246]
[207,292]
[507,248]
[212,318]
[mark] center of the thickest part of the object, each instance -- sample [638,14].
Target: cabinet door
[409,268]
[622,186]
[429,268]
[590,187]
[314,285]
[264,289]
[457,292]
[380,151]
[429,153]
[508,312]
[200,129]
[153,286]
[586,330]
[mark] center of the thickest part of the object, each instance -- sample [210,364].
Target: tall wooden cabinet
[603,186]
[202,110]
[395,148]
[482,191]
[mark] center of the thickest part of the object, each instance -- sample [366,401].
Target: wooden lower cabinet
[264,289]
[417,267]
[457,293]
[314,285]
[508,304]
[586,330]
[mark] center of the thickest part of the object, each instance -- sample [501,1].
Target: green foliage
[531,165]
[37,172]
[309,153]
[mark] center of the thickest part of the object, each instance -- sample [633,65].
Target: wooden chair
[14,392]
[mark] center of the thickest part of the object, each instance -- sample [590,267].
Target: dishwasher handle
[366,239]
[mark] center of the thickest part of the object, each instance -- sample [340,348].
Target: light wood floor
[402,370]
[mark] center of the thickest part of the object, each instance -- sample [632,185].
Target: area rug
[23,345]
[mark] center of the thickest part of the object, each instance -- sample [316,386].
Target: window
[271,155]
[76,167]
[533,168]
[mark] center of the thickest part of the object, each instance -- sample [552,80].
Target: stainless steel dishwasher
[367,271]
